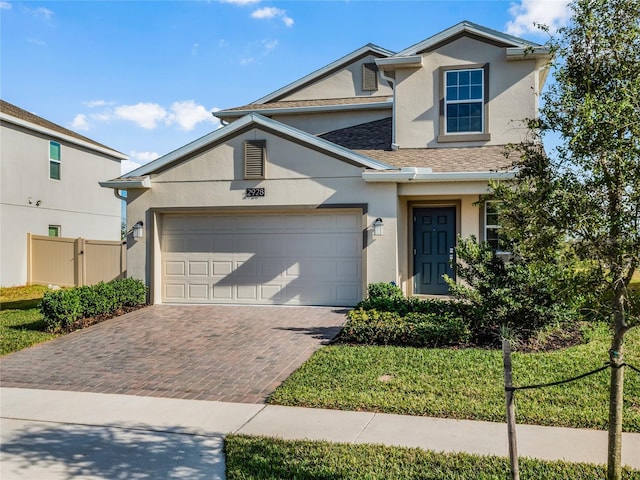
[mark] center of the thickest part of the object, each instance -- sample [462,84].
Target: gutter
[423,175]
[223,115]
[126,184]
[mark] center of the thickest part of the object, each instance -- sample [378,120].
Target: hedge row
[61,308]
[373,327]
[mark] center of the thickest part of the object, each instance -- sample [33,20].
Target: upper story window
[54,160]
[464,101]
[463,105]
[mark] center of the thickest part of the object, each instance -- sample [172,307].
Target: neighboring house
[49,186]
[366,170]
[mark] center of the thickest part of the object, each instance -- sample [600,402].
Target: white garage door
[305,259]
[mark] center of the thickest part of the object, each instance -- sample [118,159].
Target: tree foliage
[586,192]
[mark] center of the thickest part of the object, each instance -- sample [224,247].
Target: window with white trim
[464,101]
[54,160]
[54,230]
[492,224]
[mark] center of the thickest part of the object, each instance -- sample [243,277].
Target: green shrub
[373,327]
[384,290]
[513,294]
[61,308]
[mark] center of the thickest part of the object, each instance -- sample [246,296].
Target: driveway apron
[224,353]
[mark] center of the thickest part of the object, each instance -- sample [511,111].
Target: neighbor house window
[255,153]
[54,160]
[464,101]
[492,223]
[54,230]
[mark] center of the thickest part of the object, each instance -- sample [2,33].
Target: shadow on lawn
[21,304]
[110,452]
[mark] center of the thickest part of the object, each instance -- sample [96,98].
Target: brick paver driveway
[225,353]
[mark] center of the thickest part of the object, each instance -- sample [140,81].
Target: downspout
[116,192]
[391,81]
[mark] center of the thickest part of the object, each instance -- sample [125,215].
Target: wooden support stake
[511,410]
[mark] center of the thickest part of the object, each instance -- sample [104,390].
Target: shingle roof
[14,111]
[446,159]
[307,103]
[373,139]
[374,135]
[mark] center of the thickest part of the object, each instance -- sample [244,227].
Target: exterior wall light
[138,230]
[378,226]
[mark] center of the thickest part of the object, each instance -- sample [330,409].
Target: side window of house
[464,101]
[492,223]
[54,160]
[255,157]
[55,230]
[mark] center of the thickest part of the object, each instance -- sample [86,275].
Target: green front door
[434,240]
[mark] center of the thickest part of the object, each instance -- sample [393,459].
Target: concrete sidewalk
[49,434]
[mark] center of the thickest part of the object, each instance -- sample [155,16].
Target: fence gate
[73,262]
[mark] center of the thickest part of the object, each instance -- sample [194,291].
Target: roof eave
[127,184]
[226,114]
[426,175]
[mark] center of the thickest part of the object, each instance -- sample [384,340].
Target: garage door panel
[302,259]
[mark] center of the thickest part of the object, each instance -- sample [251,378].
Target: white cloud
[145,115]
[5,6]
[35,41]
[187,114]
[40,12]
[137,159]
[553,13]
[80,122]
[272,12]
[269,45]
[97,103]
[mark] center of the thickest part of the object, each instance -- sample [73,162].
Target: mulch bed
[88,321]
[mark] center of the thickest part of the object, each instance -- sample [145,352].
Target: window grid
[54,230]
[54,160]
[492,224]
[464,101]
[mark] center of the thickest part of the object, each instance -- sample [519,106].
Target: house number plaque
[254,192]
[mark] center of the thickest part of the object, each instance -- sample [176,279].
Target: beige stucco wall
[76,202]
[345,83]
[512,95]
[298,178]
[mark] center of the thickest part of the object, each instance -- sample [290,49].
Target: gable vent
[255,152]
[369,77]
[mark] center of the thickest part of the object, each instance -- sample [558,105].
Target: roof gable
[369,49]
[250,121]
[469,29]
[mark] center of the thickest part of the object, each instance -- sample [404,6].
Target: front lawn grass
[467,383]
[259,458]
[21,323]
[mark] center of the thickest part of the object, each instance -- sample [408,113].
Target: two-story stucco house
[366,170]
[49,186]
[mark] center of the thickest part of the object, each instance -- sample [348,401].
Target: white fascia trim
[302,110]
[258,120]
[526,53]
[468,27]
[411,61]
[62,136]
[312,76]
[127,184]
[423,175]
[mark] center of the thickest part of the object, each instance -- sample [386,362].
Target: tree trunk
[616,390]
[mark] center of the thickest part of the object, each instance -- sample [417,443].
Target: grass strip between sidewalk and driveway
[466,383]
[260,458]
[21,323]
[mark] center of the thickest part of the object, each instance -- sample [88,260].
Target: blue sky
[143,77]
